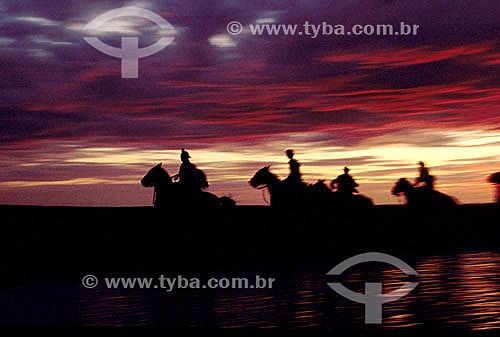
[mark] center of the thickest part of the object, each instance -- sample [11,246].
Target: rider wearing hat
[187,173]
[345,183]
[424,177]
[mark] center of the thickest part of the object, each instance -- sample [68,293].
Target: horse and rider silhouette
[186,188]
[183,190]
[422,193]
[293,193]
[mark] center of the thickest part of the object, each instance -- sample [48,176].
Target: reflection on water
[272,307]
[478,290]
[117,307]
[460,290]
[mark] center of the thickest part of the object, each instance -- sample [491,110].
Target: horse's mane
[274,176]
[164,175]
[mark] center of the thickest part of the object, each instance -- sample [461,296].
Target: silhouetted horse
[168,194]
[291,195]
[282,193]
[495,179]
[422,197]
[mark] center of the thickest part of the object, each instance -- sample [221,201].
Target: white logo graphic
[129,52]
[234,27]
[373,298]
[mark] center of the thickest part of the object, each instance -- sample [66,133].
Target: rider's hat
[184,154]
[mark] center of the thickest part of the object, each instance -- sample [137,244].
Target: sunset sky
[73,132]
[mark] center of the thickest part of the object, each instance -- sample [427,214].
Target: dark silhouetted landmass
[40,244]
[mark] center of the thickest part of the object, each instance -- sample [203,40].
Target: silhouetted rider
[295,176]
[345,183]
[188,174]
[424,177]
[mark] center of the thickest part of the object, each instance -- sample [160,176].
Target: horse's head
[401,186]
[495,178]
[154,176]
[321,186]
[261,177]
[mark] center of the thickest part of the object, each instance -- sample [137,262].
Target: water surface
[460,290]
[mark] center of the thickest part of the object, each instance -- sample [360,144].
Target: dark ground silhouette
[53,244]
[306,224]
